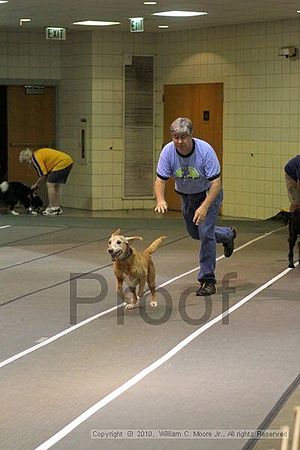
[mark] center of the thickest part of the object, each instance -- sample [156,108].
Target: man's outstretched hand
[161,206]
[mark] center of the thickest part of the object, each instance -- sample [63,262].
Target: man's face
[183,142]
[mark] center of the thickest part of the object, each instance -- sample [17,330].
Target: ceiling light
[180,13]
[21,21]
[3,1]
[163,26]
[149,3]
[298,11]
[96,23]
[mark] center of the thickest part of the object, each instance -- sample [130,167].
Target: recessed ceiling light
[180,13]
[149,3]
[298,11]
[21,21]
[3,1]
[163,26]
[96,23]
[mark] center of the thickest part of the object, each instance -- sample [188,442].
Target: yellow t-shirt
[46,160]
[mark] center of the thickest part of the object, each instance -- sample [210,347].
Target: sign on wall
[56,33]
[136,24]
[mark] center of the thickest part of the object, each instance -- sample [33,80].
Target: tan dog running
[133,267]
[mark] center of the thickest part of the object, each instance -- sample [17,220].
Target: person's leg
[54,181]
[293,193]
[209,235]
[188,211]
[207,254]
[53,194]
[205,232]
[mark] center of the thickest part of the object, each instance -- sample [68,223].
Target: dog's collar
[127,254]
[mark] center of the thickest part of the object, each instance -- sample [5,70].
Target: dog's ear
[116,233]
[133,238]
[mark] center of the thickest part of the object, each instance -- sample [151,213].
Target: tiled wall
[28,56]
[261,103]
[76,111]
[92,71]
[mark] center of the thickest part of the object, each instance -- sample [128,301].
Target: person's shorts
[59,176]
[292,191]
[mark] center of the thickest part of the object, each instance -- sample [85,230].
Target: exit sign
[56,33]
[136,24]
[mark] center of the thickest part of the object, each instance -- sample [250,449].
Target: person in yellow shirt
[53,167]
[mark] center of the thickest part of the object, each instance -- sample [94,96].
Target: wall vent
[138,127]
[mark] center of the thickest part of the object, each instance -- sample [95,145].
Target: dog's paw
[131,305]
[154,304]
[14,213]
[291,265]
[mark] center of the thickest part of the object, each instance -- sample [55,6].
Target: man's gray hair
[182,125]
[25,155]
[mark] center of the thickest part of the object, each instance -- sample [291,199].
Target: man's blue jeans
[207,232]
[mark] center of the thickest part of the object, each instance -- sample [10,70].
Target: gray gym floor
[168,376]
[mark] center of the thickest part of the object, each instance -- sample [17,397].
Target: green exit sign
[56,33]
[136,24]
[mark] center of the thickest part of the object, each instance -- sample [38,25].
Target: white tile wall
[261,105]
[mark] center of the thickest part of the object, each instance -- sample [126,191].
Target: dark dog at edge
[14,192]
[294,232]
[292,219]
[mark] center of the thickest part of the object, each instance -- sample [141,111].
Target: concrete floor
[178,377]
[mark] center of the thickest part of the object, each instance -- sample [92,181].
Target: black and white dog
[14,192]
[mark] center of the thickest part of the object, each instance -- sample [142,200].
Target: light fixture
[21,21]
[180,13]
[3,1]
[163,26]
[298,11]
[149,3]
[96,23]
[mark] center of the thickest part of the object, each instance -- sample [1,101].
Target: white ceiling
[63,13]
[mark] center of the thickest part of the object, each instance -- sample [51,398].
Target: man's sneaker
[229,246]
[206,288]
[52,211]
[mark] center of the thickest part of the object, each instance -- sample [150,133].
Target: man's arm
[159,191]
[201,212]
[39,182]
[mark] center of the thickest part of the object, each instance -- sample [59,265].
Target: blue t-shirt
[193,173]
[292,168]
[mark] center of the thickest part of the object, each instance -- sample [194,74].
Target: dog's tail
[154,246]
[4,187]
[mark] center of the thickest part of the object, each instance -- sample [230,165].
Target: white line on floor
[90,319]
[152,367]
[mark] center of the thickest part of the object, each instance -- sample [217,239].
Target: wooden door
[203,104]
[31,122]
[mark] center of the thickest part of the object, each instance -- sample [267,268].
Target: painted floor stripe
[152,367]
[90,319]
